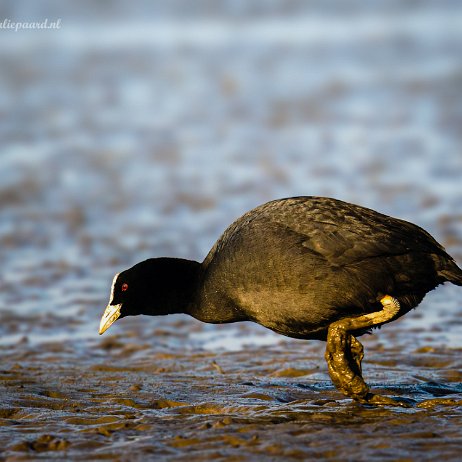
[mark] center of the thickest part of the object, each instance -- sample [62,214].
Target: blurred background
[141,129]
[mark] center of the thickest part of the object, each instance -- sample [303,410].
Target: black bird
[305,267]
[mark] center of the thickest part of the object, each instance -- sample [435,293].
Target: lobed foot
[379,400]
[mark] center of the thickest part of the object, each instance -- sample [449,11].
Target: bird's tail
[451,273]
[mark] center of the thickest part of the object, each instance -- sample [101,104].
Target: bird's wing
[335,231]
[343,233]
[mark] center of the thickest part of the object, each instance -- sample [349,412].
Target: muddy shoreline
[128,395]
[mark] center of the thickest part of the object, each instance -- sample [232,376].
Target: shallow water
[116,147]
[138,394]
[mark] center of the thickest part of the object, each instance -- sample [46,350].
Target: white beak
[110,315]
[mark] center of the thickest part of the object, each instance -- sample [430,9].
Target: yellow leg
[344,353]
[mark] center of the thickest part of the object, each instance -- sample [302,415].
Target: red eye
[124,287]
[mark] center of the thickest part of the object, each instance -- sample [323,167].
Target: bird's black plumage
[296,266]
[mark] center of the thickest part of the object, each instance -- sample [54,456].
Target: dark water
[138,132]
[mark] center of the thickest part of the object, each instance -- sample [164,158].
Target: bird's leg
[344,353]
[344,364]
[357,352]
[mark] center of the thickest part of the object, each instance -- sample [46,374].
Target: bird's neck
[179,282]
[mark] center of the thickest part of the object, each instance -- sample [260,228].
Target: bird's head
[122,301]
[157,286]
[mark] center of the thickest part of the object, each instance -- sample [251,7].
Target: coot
[305,267]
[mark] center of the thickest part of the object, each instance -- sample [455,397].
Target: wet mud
[139,394]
